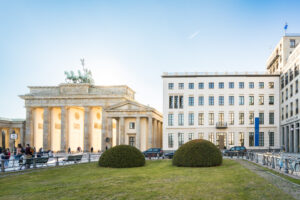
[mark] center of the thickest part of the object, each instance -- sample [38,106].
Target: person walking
[92,149]
[6,157]
[69,150]
[19,152]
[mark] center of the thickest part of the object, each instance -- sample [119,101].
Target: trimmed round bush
[122,156]
[197,153]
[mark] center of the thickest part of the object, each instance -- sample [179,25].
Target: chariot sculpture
[83,77]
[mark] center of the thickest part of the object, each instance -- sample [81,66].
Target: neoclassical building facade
[8,127]
[85,115]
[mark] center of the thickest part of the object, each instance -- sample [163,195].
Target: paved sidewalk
[281,183]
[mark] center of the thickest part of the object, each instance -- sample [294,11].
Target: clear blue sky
[133,42]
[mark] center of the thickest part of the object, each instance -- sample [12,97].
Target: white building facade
[228,106]
[285,59]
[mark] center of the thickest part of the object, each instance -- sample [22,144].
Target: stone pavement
[281,183]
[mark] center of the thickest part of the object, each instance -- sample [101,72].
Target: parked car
[241,150]
[169,155]
[153,152]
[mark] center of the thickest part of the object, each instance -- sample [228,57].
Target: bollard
[34,162]
[273,162]
[286,170]
[2,166]
[89,157]
[56,163]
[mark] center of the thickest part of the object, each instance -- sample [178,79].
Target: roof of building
[215,74]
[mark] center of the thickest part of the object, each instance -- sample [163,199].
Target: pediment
[128,105]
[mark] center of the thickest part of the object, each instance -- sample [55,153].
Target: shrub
[197,153]
[122,156]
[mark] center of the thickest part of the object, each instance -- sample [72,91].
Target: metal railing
[221,125]
[281,162]
[18,164]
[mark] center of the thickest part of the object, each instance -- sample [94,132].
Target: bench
[42,160]
[30,161]
[73,158]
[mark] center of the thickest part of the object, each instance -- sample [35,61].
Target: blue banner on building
[256,134]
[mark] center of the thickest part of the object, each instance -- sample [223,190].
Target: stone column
[64,129]
[87,129]
[10,141]
[29,127]
[117,132]
[22,141]
[291,147]
[150,139]
[138,132]
[46,128]
[287,138]
[296,139]
[109,131]
[103,131]
[122,130]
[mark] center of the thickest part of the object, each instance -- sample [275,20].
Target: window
[201,100]
[296,70]
[261,100]
[231,85]
[170,101]
[241,85]
[211,100]
[251,85]
[231,100]
[180,101]
[251,118]
[171,86]
[251,100]
[286,75]
[271,100]
[271,118]
[282,97]
[251,139]
[241,139]
[241,100]
[191,101]
[200,135]
[131,125]
[282,113]
[221,100]
[180,119]
[292,43]
[296,86]
[261,118]
[201,85]
[286,111]
[181,86]
[211,118]
[297,106]
[191,136]
[200,118]
[170,119]
[271,139]
[191,119]
[191,85]
[170,140]
[221,118]
[291,90]
[271,85]
[180,139]
[231,138]
[281,82]
[261,85]
[286,94]
[291,112]
[221,85]
[231,118]
[132,141]
[211,85]
[211,137]
[261,139]
[175,101]
[241,118]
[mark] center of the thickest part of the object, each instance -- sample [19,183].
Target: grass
[297,181]
[157,180]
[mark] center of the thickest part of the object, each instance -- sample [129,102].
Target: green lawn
[157,180]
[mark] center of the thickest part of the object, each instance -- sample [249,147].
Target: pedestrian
[92,149]
[28,155]
[6,157]
[19,152]
[69,150]
[1,150]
